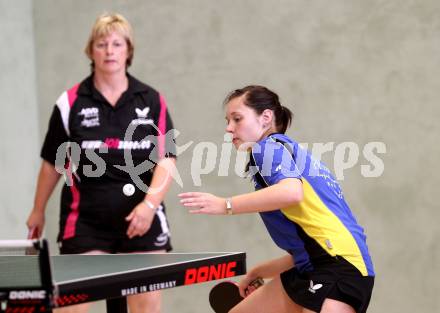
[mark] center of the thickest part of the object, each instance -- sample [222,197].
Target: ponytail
[283,118]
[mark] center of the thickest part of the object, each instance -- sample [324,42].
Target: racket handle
[258,282]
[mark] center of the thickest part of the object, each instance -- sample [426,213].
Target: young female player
[327,267]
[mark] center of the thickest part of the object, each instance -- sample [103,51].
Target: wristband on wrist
[149,204]
[228,206]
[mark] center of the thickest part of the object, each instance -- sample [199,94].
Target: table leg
[117,305]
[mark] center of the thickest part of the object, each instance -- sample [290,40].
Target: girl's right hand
[203,203]
[248,284]
[35,223]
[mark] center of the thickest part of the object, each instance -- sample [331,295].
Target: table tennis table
[39,283]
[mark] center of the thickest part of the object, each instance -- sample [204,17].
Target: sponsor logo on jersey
[116,143]
[142,117]
[90,117]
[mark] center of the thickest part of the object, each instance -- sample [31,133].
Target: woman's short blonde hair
[104,25]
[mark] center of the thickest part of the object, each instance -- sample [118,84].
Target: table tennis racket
[225,295]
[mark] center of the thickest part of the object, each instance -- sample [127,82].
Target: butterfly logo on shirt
[142,117]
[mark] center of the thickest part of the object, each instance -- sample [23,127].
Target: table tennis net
[17,251]
[19,271]
[19,265]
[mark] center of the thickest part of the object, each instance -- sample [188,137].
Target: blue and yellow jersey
[322,224]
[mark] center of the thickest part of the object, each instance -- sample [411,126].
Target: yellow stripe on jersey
[322,225]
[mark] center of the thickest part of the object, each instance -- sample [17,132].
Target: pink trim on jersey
[70,228]
[162,126]
[72,94]
[65,103]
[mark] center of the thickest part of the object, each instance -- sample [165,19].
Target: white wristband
[149,204]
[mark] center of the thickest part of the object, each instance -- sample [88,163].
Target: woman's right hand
[35,223]
[47,180]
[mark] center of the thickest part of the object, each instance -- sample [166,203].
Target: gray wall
[19,117]
[352,71]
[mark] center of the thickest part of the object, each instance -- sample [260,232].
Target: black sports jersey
[107,145]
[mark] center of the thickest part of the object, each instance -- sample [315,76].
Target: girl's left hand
[205,203]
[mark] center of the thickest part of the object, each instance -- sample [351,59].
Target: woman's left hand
[140,220]
[203,203]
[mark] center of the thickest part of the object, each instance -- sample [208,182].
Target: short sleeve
[55,136]
[275,161]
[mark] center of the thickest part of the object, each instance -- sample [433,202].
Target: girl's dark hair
[261,98]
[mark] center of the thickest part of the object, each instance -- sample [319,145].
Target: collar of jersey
[87,88]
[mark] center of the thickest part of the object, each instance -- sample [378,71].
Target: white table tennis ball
[128,190]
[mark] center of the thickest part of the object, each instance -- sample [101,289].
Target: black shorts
[338,280]
[79,245]
[91,238]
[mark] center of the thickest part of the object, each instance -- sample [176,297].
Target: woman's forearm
[161,181]
[285,193]
[47,180]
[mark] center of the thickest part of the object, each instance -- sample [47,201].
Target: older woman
[118,165]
